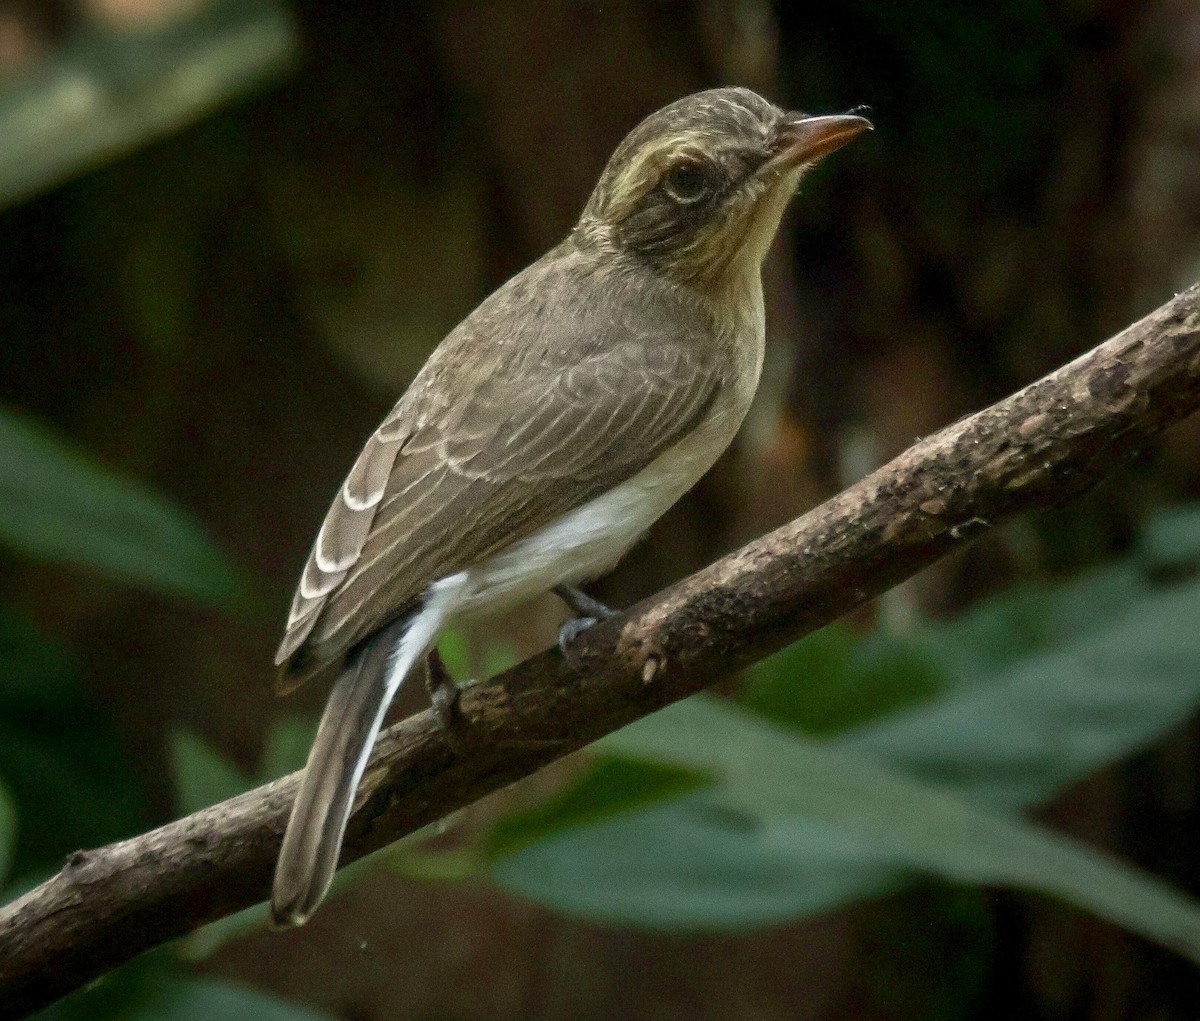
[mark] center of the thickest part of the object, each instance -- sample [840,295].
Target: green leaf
[58,505]
[456,653]
[495,658]
[202,943]
[693,864]
[1121,664]
[202,776]
[37,675]
[69,776]
[1170,538]
[64,768]
[831,681]
[206,999]
[980,644]
[8,834]
[152,988]
[1057,717]
[835,679]
[776,786]
[612,784]
[286,749]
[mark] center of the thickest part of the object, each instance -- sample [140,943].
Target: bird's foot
[583,605]
[571,630]
[446,698]
[588,611]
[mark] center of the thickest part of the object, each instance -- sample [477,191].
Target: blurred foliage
[203,778]
[106,92]
[945,931]
[152,988]
[60,759]
[8,833]
[847,679]
[613,785]
[65,777]
[58,505]
[987,714]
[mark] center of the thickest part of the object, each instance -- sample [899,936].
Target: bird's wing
[443,484]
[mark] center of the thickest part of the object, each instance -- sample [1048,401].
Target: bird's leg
[444,695]
[588,611]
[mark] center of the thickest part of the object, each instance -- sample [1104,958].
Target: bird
[547,431]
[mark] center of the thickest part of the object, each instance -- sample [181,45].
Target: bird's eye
[687,183]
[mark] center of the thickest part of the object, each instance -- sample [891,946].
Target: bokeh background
[230,232]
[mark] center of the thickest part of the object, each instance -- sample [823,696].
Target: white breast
[588,541]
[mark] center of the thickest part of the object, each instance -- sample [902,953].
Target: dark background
[226,310]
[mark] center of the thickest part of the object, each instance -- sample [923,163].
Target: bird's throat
[763,222]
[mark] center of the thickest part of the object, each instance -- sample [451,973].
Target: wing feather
[459,470]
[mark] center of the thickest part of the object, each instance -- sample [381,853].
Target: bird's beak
[800,140]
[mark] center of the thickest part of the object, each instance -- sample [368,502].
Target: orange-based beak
[800,140]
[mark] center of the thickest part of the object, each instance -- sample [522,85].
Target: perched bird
[547,432]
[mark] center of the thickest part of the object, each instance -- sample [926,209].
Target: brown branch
[1041,446]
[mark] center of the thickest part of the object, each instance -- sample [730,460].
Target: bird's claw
[588,612]
[571,630]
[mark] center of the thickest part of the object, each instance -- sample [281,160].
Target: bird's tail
[345,737]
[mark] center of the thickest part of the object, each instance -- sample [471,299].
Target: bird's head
[697,189]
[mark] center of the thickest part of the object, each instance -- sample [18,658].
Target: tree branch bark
[1043,445]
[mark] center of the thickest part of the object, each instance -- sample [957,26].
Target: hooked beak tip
[800,139]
